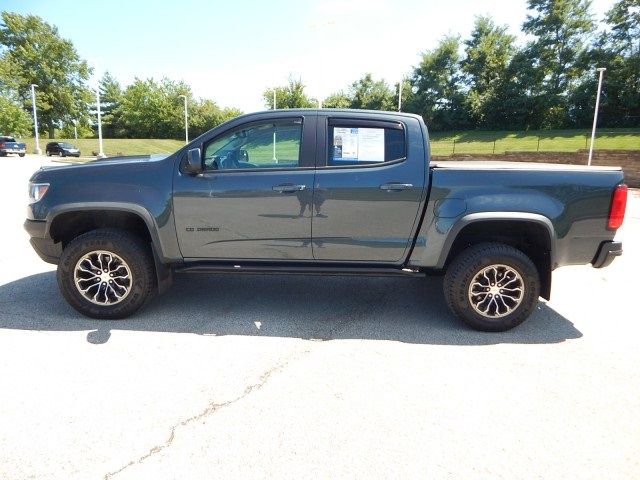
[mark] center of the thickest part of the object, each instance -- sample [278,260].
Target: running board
[299,270]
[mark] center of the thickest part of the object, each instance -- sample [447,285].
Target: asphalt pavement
[314,377]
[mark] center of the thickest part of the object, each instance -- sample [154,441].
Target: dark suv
[62,149]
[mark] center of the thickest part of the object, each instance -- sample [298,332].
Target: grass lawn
[114,146]
[442,143]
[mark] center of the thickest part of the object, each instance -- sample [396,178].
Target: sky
[231,51]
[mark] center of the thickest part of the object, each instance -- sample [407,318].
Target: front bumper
[45,247]
[606,253]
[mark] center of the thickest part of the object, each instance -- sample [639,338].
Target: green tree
[32,51]
[206,114]
[151,109]
[110,99]
[289,96]
[624,19]
[618,50]
[371,94]
[14,120]
[488,54]
[561,29]
[436,84]
[337,100]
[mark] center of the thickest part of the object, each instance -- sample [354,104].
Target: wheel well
[67,226]
[529,237]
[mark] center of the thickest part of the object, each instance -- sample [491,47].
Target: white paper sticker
[371,144]
[359,144]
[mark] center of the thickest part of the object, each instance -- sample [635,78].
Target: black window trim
[357,122]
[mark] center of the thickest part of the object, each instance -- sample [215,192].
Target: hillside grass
[442,143]
[446,143]
[113,146]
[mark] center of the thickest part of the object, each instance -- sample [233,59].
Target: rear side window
[359,144]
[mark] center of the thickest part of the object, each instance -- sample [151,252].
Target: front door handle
[395,186]
[288,188]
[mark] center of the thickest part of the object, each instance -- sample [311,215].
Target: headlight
[37,191]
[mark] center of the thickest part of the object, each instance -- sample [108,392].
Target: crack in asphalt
[210,409]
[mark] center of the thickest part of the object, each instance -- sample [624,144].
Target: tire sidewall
[129,251]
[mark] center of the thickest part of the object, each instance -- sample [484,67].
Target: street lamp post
[595,114]
[275,159]
[186,120]
[37,150]
[100,153]
[75,129]
[400,96]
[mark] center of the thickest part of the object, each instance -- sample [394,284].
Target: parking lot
[256,377]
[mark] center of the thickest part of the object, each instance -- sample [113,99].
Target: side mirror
[194,161]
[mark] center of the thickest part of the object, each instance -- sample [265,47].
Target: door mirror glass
[194,161]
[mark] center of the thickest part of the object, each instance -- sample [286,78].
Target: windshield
[66,145]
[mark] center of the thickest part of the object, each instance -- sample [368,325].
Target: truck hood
[103,166]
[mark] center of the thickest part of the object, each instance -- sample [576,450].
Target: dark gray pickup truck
[339,192]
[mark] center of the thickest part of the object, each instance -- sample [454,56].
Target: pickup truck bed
[323,192]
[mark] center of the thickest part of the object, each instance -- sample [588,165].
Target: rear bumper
[45,247]
[606,253]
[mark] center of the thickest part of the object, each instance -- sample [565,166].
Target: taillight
[2,145]
[618,206]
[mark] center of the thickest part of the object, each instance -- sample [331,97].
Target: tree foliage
[289,96]
[14,120]
[32,52]
[436,83]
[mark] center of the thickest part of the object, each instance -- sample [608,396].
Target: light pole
[400,96]
[100,153]
[37,151]
[275,159]
[595,114]
[186,120]
[75,129]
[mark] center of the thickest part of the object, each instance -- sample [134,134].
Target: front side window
[353,145]
[264,145]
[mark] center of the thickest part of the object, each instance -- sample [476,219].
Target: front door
[251,200]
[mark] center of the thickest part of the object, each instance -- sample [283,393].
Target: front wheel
[21,154]
[492,287]
[106,273]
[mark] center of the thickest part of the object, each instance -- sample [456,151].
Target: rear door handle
[395,186]
[288,188]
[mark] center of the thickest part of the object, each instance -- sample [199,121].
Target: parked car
[63,149]
[9,145]
[330,192]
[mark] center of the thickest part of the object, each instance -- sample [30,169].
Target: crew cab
[9,145]
[336,192]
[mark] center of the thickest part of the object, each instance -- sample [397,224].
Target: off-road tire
[471,262]
[131,249]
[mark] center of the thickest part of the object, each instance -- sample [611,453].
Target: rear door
[249,201]
[369,187]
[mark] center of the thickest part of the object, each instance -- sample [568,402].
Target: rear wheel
[492,287]
[106,274]
[21,154]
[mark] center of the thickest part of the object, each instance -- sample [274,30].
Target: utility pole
[100,153]
[400,96]
[75,129]
[275,159]
[595,114]
[37,150]
[186,120]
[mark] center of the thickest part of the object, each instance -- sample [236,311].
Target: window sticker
[359,144]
